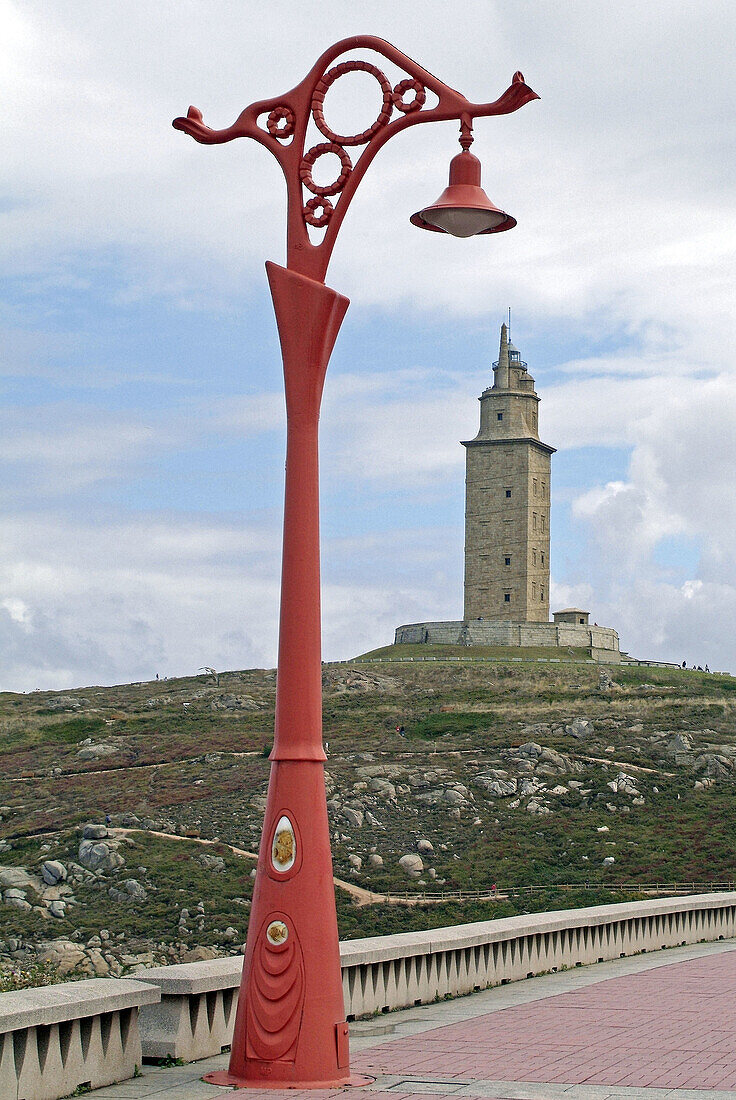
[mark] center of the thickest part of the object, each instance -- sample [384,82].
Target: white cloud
[111,603]
[601,172]
[681,469]
[55,450]
[250,415]
[679,485]
[395,429]
[691,589]
[571,595]
[660,620]
[85,602]
[18,611]
[621,178]
[399,429]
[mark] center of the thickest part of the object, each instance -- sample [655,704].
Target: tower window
[542,553]
[541,520]
[541,593]
[544,489]
[499,416]
[535,486]
[508,494]
[507,597]
[534,521]
[507,561]
[534,590]
[534,557]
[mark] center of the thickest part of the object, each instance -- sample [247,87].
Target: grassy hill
[563,777]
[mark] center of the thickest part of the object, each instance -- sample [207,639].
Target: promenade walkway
[660,1026]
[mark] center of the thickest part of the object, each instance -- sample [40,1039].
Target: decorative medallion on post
[290,1029]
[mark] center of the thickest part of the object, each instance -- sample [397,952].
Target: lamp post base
[230,1080]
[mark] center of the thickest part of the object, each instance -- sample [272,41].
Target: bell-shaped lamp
[463,209]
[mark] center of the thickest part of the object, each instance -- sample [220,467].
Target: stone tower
[507,495]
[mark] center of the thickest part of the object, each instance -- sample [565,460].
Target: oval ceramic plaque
[283,848]
[277,932]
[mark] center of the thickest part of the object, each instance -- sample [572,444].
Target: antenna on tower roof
[509,322]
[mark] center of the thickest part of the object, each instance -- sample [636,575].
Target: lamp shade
[463,209]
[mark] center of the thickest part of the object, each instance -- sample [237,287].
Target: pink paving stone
[670,1027]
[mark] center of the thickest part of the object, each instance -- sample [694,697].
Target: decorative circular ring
[318,220]
[317,151]
[328,79]
[279,115]
[414,104]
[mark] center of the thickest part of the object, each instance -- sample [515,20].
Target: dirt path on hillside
[191,839]
[359,893]
[621,764]
[34,777]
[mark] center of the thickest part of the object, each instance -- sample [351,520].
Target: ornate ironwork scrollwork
[309,159]
[336,143]
[325,208]
[280,122]
[288,118]
[329,79]
[420,95]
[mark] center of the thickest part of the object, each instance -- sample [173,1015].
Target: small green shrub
[168,1062]
[73,730]
[14,976]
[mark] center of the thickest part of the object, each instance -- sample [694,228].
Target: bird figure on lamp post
[290,1029]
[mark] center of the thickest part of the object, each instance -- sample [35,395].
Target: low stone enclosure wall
[55,1038]
[601,641]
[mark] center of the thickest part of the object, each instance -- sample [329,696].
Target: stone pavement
[650,1027]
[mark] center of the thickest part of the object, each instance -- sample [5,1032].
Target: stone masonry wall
[507,492]
[498,632]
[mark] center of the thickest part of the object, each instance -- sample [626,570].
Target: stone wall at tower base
[600,641]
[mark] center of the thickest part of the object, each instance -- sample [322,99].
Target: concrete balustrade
[55,1038]
[198,1000]
[397,971]
[196,1013]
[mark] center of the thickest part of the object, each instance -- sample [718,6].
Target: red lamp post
[290,1029]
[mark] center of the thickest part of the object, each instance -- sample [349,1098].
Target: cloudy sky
[141,416]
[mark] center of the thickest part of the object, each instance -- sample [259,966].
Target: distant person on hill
[401,731]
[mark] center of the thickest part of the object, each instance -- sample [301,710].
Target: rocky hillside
[130,815]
